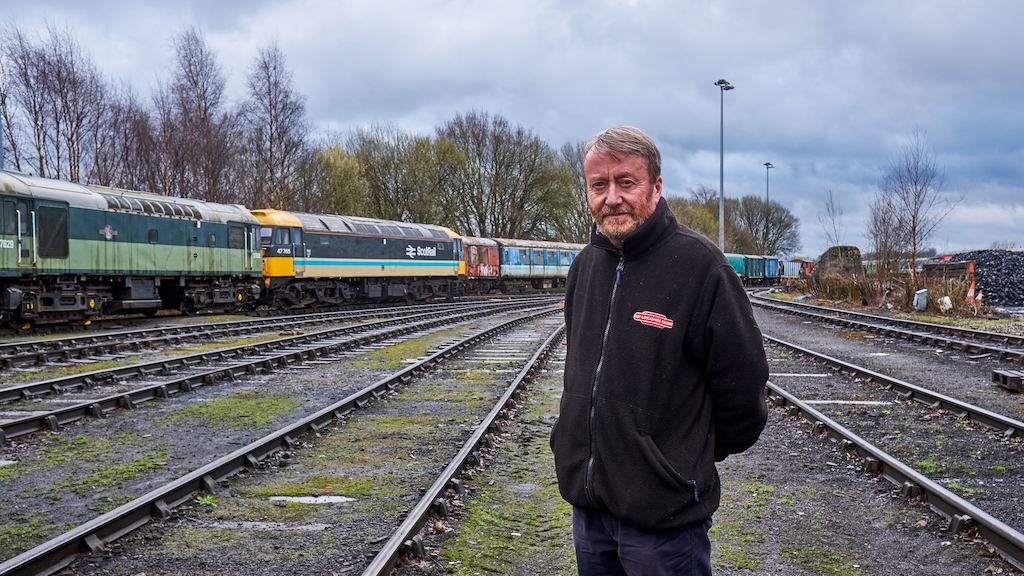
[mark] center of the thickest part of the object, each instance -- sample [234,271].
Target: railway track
[208,368]
[272,452]
[929,449]
[42,352]
[979,342]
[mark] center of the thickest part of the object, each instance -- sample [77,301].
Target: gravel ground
[367,472]
[977,464]
[793,505]
[950,372]
[60,480]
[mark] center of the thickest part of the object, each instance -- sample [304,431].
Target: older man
[664,376]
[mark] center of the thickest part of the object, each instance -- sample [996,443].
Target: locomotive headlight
[92,303]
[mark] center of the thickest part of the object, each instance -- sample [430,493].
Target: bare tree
[275,125]
[914,185]
[26,66]
[773,228]
[508,180]
[570,218]
[888,239]
[832,221]
[202,141]
[8,136]
[704,194]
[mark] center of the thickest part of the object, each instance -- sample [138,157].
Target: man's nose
[614,195]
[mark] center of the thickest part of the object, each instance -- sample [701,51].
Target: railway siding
[293,516]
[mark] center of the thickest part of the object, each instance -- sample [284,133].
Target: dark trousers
[607,547]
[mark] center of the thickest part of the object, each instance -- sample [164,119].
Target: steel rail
[960,513]
[93,536]
[1015,355]
[386,558]
[54,420]
[37,352]
[1008,426]
[63,384]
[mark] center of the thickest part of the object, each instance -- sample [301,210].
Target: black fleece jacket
[664,376]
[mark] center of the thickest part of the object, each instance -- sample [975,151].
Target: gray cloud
[826,91]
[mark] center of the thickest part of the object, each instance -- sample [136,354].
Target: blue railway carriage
[70,252]
[321,259]
[534,263]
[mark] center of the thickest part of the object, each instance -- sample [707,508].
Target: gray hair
[627,140]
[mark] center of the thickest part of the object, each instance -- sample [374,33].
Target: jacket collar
[660,224]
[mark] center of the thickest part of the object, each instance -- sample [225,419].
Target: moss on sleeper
[226,343]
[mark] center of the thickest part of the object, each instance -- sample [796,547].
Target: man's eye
[627,183]
[597,185]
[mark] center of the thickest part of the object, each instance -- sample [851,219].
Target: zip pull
[618,271]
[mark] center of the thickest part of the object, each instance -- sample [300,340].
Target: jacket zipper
[588,485]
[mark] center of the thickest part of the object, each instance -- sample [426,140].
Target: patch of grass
[997,469]
[114,476]
[195,540]
[63,371]
[822,560]
[739,544]
[208,500]
[77,449]
[226,343]
[239,410]
[928,466]
[393,357]
[262,510]
[21,532]
[318,486]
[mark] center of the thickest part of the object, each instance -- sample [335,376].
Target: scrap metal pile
[999,274]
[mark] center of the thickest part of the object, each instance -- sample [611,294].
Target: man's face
[620,192]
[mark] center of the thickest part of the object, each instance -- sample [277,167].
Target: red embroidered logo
[653,319]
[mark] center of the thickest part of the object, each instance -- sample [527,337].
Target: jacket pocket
[664,468]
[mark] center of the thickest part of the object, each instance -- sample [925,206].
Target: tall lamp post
[723,85]
[767,204]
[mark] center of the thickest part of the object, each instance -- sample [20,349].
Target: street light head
[724,84]
[769,165]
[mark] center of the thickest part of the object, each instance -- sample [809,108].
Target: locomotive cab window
[282,236]
[9,224]
[236,237]
[265,236]
[53,232]
[154,236]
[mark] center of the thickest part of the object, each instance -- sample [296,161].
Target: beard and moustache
[618,227]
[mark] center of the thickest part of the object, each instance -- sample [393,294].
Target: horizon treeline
[477,173]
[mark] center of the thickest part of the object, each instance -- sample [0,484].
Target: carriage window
[211,240]
[236,237]
[154,236]
[10,223]
[53,232]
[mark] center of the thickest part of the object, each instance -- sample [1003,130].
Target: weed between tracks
[246,409]
[394,357]
[517,523]
[382,457]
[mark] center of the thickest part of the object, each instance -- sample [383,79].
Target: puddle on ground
[275,526]
[313,499]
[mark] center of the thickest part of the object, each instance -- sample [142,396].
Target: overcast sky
[826,91]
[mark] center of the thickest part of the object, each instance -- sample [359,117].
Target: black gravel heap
[999,274]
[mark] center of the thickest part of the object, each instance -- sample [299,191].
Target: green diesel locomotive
[73,252]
